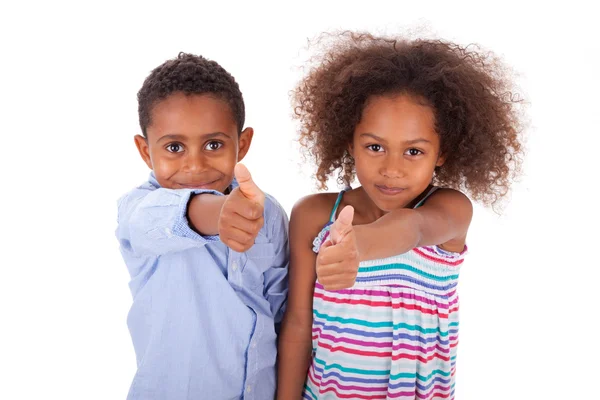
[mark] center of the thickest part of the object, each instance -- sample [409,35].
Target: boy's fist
[242,213]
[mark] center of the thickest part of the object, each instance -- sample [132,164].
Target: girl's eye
[212,146]
[374,147]
[174,148]
[414,152]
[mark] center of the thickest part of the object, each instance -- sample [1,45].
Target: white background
[68,112]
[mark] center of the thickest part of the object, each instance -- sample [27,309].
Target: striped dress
[393,335]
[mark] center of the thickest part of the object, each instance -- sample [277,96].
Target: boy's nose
[194,163]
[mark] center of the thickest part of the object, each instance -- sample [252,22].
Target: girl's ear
[441,160]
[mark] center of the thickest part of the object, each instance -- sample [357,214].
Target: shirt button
[248,389]
[254,345]
[234,265]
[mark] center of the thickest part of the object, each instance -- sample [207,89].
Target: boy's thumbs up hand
[337,262]
[242,213]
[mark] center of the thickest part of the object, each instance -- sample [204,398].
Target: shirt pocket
[259,258]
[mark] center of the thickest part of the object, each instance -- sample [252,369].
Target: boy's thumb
[247,185]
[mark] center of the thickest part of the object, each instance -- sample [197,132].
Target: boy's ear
[142,145]
[244,141]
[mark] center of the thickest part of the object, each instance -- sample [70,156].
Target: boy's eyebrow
[407,142]
[174,136]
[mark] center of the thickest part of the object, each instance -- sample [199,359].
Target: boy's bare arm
[236,218]
[203,213]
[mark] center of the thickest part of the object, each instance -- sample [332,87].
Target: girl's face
[395,149]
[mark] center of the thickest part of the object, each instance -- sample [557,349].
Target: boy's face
[193,142]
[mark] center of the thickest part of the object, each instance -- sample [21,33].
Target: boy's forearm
[395,233]
[203,213]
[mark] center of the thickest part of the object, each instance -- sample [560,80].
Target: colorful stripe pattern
[393,335]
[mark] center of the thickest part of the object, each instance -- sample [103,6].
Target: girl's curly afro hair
[477,113]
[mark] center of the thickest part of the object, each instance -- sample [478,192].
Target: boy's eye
[212,146]
[414,152]
[374,147]
[174,148]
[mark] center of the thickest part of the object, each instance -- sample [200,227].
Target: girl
[418,123]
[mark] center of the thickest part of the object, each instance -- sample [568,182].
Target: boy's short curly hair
[190,74]
[470,93]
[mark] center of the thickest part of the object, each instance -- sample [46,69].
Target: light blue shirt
[203,316]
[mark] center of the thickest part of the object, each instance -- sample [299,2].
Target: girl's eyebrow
[407,142]
[418,140]
[372,135]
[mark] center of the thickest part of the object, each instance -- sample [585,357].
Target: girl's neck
[368,209]
[420,197]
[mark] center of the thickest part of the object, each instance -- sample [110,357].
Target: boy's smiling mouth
[199,185]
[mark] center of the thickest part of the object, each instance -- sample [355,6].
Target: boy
[204,306]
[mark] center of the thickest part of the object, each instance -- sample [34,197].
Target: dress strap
[337,204]
[431,191]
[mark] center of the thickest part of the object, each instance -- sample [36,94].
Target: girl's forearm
[395,233]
